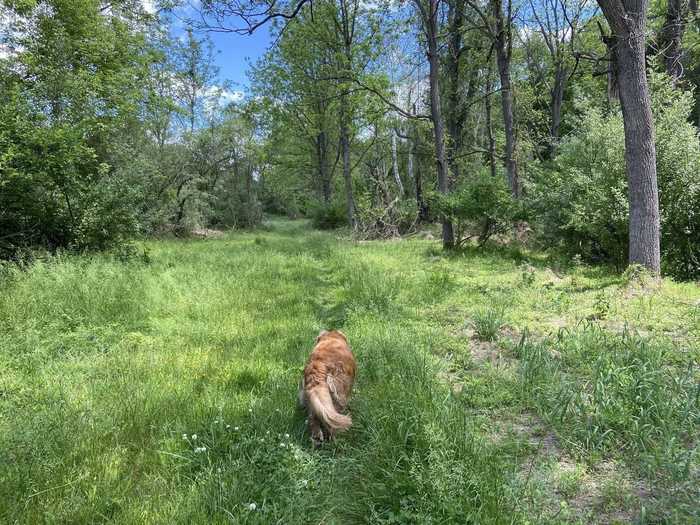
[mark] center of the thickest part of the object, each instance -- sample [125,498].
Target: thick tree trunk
[627,20]
[640,154]
[430,20]
[502,45]
[672,38]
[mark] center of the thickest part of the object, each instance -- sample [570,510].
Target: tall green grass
[622,396]
[162,389]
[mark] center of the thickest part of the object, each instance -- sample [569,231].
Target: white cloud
[149,6]
[222,95]
[218,97]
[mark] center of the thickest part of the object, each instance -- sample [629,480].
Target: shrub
[481,207]
[328,217]
[581,201]
[53,190]
[237,209]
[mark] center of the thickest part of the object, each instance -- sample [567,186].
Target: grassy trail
[162,389]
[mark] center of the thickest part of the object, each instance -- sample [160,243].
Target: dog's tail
[320,402]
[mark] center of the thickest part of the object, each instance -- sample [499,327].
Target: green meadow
[494,386]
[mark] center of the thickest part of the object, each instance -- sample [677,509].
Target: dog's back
[327,383]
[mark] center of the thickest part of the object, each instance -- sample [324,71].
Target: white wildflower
[236,429]
[252,506]
[184,436]
[194,437]
[286,436]
[305,482]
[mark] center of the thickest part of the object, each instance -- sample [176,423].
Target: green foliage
[481,207]
[54,191]
[105,131]
[608,394]
[328,216]
[581,202]
[69,92]
[487,323]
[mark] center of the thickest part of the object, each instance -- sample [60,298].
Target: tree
[456,115]
[429,13]
[627,20]
[72,95]
[346,24]
[497,24]
[671,38]
[559,23]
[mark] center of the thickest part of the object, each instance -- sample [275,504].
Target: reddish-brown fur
[327,384]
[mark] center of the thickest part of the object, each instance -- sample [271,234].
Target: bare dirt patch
[561,489]
[206,233]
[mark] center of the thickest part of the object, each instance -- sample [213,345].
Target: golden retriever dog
[326,385]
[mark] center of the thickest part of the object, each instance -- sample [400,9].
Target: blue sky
[235,51]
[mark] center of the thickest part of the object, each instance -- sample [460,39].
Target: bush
[482,207]
[581,201]
[53,190]
[235,208]
[328,217]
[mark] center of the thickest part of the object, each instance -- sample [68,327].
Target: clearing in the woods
[493,386]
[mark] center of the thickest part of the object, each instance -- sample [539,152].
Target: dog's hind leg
[316,430]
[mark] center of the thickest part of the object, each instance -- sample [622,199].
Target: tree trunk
[502,44]
[627,20]
[455,116]
[430,20]
[323,168]
[491,148]
[345,115]
[420,201]
[672,38]
[395,163]
[556,101]
[409,162]
[347,175]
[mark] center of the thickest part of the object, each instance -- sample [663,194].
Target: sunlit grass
[109,368]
